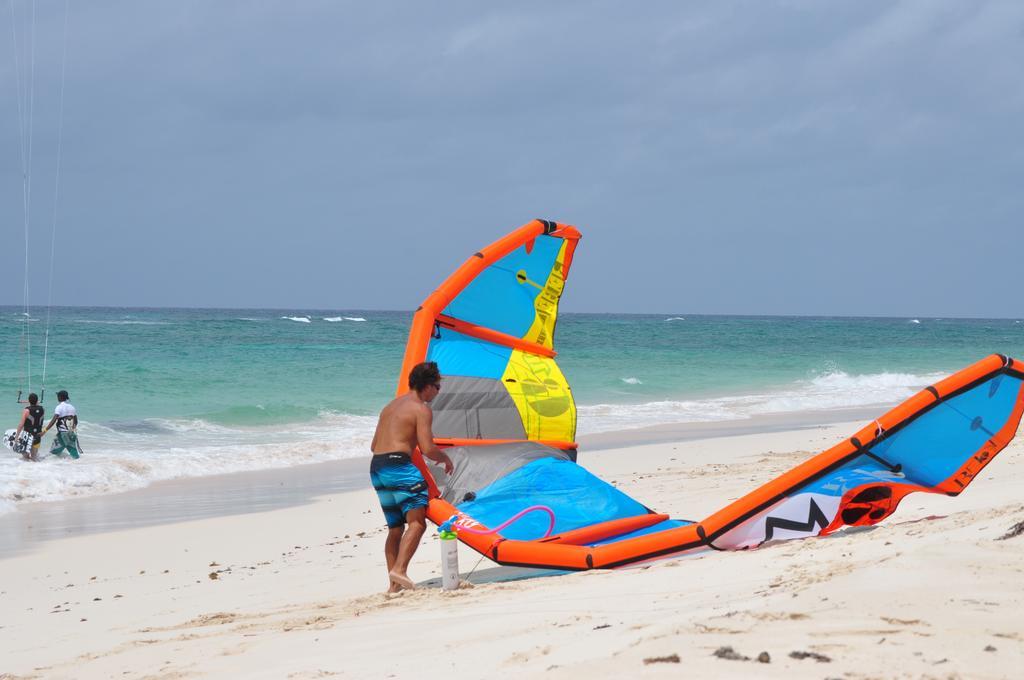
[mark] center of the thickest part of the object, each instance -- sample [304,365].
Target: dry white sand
[296,592]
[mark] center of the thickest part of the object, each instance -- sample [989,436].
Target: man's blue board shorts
[399,484]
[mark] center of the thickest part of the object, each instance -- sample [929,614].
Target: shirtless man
[404,424]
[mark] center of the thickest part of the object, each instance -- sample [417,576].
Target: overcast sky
[846,158]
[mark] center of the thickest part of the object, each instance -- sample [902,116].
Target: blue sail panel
[931,448]
[502,297]
[577,497]
[460,355]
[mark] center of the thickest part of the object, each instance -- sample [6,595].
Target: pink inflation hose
[451,525]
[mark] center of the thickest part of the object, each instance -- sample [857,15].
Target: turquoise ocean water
[166,393]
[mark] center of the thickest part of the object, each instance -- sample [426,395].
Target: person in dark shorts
[405,424]
[31,422]
[400,486]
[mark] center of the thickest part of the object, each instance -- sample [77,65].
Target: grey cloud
[735,157]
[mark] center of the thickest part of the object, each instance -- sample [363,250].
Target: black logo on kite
[874,502]
[815,517]
[523,278]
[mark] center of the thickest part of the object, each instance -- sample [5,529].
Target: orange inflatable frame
[570,550]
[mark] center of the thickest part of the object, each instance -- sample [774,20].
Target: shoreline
[758,424]
[237,493]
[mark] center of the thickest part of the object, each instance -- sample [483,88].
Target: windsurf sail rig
[507,419]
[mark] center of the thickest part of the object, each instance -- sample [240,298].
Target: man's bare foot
[401,580]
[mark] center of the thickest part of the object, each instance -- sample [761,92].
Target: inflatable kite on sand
[507,419]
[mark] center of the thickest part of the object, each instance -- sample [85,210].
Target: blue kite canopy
[576,496]
[935,442]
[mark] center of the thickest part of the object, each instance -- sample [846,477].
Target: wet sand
[193,498]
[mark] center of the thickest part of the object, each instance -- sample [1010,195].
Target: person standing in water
[66,418]
[404,424]
[31,422]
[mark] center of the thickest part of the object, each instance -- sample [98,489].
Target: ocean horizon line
[675,314]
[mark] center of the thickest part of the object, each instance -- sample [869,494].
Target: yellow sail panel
[542,396]
[542,331]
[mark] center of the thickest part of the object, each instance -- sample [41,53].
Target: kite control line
[450,527]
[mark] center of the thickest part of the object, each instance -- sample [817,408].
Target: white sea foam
[119,457]
[610,417]
[840,390]
[631,381]
[354,318]
[833,390]
[249,318]
[299,319]
[333,319]
[115,460]
[676,318]
[336,319]
[192,426]
[915,321]
[124,322]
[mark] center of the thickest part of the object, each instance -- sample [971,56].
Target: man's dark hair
[424,375]
[33,398]
[62,395]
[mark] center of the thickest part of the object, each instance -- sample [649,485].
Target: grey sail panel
[475,408]
[478,466]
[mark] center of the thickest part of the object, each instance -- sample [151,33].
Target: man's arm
[425,439]
[75,426]
[21,423]
[50,424]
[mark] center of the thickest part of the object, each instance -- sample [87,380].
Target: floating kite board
[17,445]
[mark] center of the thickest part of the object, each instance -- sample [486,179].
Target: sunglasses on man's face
[437,386]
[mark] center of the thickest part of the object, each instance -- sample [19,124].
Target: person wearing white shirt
[66,418]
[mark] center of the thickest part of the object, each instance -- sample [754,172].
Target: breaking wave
[831,390]
[124,456]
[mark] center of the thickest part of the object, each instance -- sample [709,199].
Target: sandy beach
[749,264]
[296,591]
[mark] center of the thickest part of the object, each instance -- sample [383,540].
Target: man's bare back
[399,424]
[406,423]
